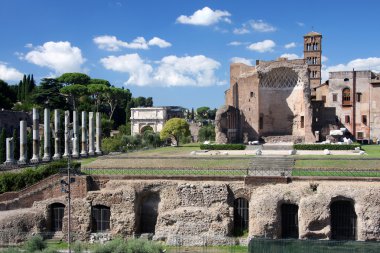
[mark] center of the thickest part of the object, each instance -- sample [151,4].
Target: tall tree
[97,91]
[74,78]
[48,95]
[74,92]
[99,81]
[175,128]
[5,96]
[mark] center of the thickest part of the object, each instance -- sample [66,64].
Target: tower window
[346,96]
[347,119]
[302,121]
[335,97]
[364,119]
[261,121]
[358,97]
[251,94]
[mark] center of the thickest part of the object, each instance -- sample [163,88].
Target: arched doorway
[289,221]
[100,218]
[149,213]
[241,216]
[57,211]
[146,128]
[343,220]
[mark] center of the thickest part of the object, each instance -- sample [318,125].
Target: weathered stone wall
[194,210]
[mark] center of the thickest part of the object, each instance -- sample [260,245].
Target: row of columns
[93,138]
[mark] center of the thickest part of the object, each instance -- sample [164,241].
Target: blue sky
[179,51]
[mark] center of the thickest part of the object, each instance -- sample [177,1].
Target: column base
[46,159]
[35,160]
[21,162]
[75,155]
[83,155]
[56,157]
[91,153]
[7,163]
[99,153]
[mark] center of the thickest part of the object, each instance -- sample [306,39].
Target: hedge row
[326,146]
[222,146]
[15,181]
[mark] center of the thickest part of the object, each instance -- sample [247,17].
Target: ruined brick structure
[313,56]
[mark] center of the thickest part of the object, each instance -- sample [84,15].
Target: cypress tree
[23,93]
[32,84]
[19,91]
[3,136]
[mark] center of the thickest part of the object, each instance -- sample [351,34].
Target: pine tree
[3,137]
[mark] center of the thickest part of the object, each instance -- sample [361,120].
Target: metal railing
[261,245]
[335,172]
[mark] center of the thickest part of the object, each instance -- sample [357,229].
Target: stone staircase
[278,146]
[271,166]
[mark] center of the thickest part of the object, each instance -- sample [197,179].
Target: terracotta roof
[312,33]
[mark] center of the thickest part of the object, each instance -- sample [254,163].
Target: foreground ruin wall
[197,210]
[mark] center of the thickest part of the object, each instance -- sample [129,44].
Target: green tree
[100,81]
[202,112]
[116,97]
[48,94]
[97,91]
[74,92]
[3,136]
[175,128]
[74,78]
[5,96]
[206,133]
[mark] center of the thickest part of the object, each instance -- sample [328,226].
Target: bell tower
[313,56]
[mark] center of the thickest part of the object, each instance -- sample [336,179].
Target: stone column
[47,155]
[66,134]
[36,137]
[23,142]
[98,150]
[83,152]
[9,152]
[91,147]
[57,136]
[75,139]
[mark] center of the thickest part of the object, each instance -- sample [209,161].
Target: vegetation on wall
[222,146]
[326,146]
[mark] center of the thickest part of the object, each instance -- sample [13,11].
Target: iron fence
[261,245]
[335,172]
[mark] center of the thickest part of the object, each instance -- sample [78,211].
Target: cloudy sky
[179,51]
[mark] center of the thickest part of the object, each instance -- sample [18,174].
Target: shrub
[112,144]
[77,247]
[151,138]
[326,146]
[143,246]
[11,250]
[36,243]
[206,133]
[15,181]
[223,146]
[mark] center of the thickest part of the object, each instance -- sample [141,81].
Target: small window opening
[364,119]
[347,119]
[302,121]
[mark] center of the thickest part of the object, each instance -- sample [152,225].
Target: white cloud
[240,31]
[139,71]
[235,43]
[159,42]
[290,56]
[300,24]
[241,60]
[371,63]
[59,56]
[111,43]
[290,45]
[261,26]
[29,45]
[262,46]
[205,17]
[324,58]
[170,71]
[9,74]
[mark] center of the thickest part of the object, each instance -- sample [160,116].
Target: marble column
[23,143]
[83,152]
[91,146]
[98,134]
[75,139]
[67,134]
[9,152]
[47,155]
[57,136]
[36,137]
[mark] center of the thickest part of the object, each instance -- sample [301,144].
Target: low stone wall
[196,210]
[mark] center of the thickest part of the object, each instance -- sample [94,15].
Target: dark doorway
[100,218]
[343,220]
[149,213]
[241,216]
[289,221]
[57,211]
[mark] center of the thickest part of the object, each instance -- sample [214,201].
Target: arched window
[343,220]
[346,96]
[57,211]
[241,219]
[149,213]
[289,221]
[100,218]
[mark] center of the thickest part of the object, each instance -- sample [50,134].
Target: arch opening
[100,218]
[289,221]
[241,216]
[343,220]
[146,128]
[149,213]
[57,211]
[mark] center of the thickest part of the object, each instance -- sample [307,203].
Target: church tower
[313,56]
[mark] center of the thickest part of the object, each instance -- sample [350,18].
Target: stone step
[277,146]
